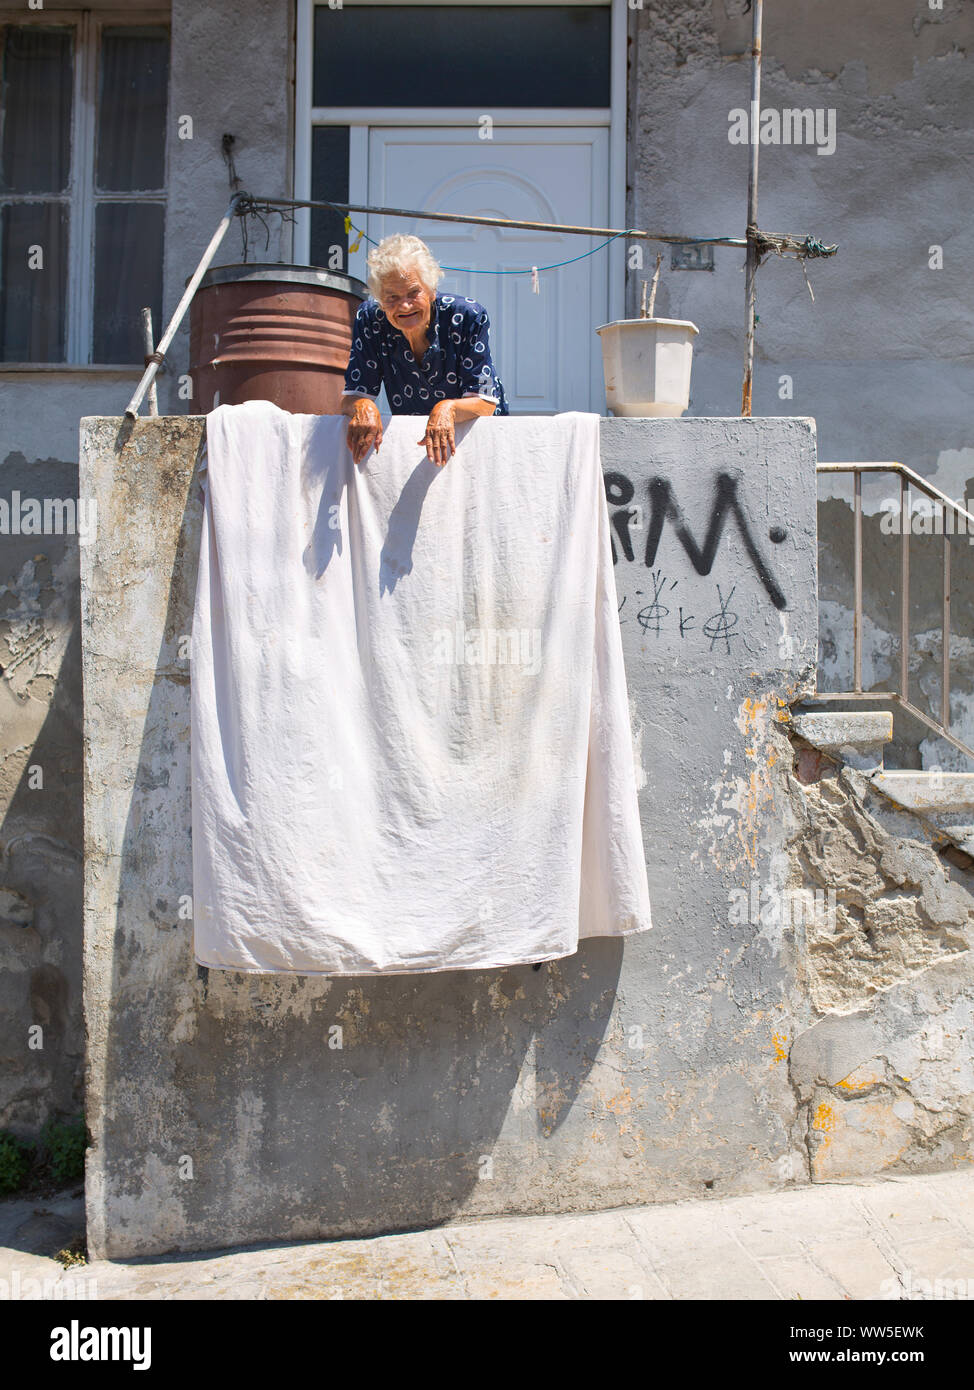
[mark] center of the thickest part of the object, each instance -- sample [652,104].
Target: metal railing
[901,697]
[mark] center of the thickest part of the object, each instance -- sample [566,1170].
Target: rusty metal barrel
[278,333]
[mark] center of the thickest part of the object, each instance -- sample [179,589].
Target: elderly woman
[430,350]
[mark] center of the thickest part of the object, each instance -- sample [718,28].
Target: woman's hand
[439,440]
[364,429]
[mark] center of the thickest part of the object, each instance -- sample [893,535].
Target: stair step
[928,791]
[945,799]
[856,737]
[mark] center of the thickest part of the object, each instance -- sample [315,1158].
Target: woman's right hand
[364,429]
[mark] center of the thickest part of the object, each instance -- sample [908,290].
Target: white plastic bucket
[646,364]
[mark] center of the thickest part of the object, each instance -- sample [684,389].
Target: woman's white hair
[400,254]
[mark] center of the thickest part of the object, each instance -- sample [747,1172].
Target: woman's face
[406,301]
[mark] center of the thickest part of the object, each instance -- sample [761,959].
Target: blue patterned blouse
[456,363]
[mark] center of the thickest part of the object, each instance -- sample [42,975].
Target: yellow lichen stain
[758,791]
[780,1049]
[860,1079]
[824,1121]
[751,709]
[756,782]
[741,804]
[620,1104]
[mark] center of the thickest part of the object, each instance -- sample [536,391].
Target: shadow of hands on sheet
[327,466]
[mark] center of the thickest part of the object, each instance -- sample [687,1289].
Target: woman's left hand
[439,440]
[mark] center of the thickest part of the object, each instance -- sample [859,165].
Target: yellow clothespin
[357,243]
[348,223]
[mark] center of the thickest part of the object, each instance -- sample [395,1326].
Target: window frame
[81,195]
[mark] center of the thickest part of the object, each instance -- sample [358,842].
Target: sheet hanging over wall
[411,747]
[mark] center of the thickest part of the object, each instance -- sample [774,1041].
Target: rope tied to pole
[800,248]
[786,244]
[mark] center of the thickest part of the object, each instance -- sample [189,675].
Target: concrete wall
[40,746]
[41,1041]
[621,1074]
[746,1043]
[881,359]
[881,384]
[231,73]
[883,1071]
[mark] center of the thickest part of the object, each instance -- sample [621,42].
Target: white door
[544,345]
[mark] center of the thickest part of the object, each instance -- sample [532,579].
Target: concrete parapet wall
[220,1109]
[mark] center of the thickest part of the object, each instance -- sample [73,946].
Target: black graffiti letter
[663,505]
[619,492]
[720,628]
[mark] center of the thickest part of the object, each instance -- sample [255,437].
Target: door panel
[544,345]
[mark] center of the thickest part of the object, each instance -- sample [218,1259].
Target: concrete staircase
[945,800]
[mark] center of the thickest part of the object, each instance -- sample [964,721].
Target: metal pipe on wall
[751,264]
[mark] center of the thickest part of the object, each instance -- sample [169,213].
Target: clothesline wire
[469,270]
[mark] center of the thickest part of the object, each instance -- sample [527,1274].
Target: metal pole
[752,204]
[147,341]
[945,687]
[503,222]
[156,358]
[906,528]
[857,584]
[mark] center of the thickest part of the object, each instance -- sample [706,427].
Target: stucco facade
[880,360]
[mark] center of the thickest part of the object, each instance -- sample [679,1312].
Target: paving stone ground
[892,1238]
